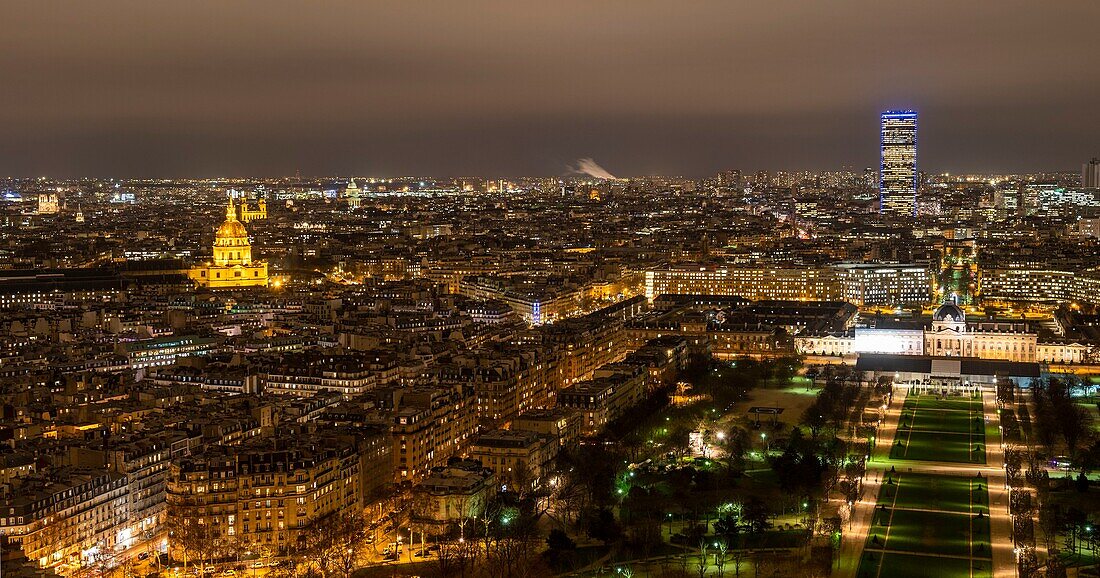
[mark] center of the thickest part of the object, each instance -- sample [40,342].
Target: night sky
[224,88]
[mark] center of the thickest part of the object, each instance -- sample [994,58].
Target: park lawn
[1084,558]
[948,421]
[939,447]
[954,403]
[923,532]
[936,492]
[876,564]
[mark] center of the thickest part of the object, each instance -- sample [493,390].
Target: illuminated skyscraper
[898,169]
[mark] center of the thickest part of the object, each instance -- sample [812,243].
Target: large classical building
[232,265]
[249,214]
[948,334]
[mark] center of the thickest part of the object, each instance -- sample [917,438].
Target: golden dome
[231,229]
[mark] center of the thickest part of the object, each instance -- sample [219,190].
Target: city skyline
[496,289]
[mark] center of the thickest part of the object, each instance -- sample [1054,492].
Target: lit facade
[65,524]
[754,283]
[898,167]
[1039,284]
[948,335]
[858,283]
[351,195]
[249,214]
[264,495]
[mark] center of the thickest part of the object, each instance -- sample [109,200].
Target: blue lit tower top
[898,167]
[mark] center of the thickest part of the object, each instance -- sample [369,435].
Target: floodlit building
[233,265]
[898,167]
[948,334]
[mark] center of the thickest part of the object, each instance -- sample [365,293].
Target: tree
[756,515]
[600,524]
[702,563]
[559,541]
[349,534]
[728,526]
[738,558]
[814,418]
[679,439]
[721,550]
[198,540]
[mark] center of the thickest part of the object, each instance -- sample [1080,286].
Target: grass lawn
[950,403]
[939,447]
[941,430]
[897,565]
[929,524]
[940,420]
[934,492]
[923,532]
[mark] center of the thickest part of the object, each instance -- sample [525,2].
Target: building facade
[264,493]
[232,265]
[898,166]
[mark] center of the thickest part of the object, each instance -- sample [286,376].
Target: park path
[855,537]
[1000,523]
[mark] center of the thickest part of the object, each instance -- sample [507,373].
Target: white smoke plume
[590,167]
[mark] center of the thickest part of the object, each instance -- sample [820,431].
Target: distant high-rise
[898,169]
[1090,174]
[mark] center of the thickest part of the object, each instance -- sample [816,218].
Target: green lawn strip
[922,532]
[900,565]
[926,434]
[940,447]
[935,492]
[946,421]
[948,404]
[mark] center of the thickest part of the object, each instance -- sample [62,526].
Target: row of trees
[1057,415]
[833,406]
[332,546]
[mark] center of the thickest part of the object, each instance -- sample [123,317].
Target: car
[229,572]
[1062,462]
[143,556]
[257,564]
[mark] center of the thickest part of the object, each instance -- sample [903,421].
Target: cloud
[590,167]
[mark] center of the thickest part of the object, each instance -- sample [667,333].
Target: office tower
[1090,174]
[898,169]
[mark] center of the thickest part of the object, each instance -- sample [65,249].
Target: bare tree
[197,539]
[702,563]
[721,550]
[738,558]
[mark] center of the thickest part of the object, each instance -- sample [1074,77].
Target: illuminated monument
[351,194]
[898,169]
[232,265]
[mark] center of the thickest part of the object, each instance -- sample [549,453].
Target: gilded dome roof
[231,229]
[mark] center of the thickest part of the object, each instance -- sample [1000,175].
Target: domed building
[949,313]
[232,265]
